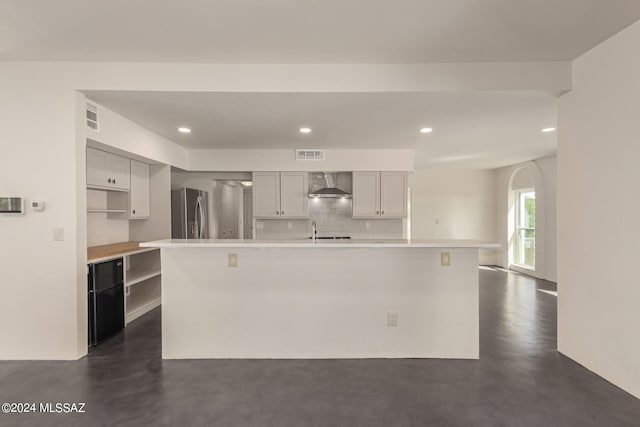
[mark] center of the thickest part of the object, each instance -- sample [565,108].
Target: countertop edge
[141,249]
[288,244]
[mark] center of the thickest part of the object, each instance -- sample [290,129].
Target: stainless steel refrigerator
[189,213]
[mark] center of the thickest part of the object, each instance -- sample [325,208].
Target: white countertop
[329,243]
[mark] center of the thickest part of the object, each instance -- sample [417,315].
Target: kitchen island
[329,299]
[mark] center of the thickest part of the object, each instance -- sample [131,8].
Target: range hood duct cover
[330,189]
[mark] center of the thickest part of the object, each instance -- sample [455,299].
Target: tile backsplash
[332,216]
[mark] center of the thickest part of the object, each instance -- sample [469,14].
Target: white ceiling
[479,130]
[471,129]
[297,31]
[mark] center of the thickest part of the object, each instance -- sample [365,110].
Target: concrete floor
[520,380]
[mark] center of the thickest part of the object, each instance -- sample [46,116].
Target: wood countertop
[105,251]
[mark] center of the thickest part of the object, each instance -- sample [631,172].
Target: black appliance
[106,300]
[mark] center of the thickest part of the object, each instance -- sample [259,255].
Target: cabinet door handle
[377,212]
[382,212]
[114,180]
[134,211]
[277,212]
[109,180]
[282,213]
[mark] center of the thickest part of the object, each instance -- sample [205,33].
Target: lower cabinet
[142,282]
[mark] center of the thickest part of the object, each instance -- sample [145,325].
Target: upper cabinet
[280,195]
[393,194]
[366,194]
[266,194]
[294,194]
[139,193]
[107,171]
[379,194]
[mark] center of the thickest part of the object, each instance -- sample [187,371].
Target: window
[526,228]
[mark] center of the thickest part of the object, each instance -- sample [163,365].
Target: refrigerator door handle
[196,220]
[202,220]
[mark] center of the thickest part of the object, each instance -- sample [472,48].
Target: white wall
[455,204]
[129,139]
[39,286]
[523,180]
[598,212]
[548,168]
[542,174]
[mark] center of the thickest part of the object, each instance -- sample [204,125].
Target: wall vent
[92,116]
[309,154]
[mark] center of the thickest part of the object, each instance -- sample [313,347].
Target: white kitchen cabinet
[280,195]
[393,194]
[379,194]
[107,171]
[366,194]
[294,194]
[266,194]
[139,193]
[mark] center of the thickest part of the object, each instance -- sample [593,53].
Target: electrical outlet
[445,259]
[392,320]
[58,234]
[233,260]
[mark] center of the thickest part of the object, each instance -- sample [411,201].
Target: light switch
[445,259]
[58,234]
[233,260]
[392,320]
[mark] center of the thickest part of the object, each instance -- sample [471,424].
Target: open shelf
[142,298]
[105,201]
[135,277]
[142,280]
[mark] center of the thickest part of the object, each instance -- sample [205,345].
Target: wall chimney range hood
[330,190]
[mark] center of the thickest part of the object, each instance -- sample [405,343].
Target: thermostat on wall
[37,205]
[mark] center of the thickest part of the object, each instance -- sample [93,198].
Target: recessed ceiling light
[304,130]
[247,183]
[426,130]
[547,130]
[184,130]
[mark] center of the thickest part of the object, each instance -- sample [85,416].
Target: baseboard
[143,309]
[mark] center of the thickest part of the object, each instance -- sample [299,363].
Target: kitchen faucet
[314,230]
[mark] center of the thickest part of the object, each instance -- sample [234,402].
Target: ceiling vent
[92,116]
[309,154]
